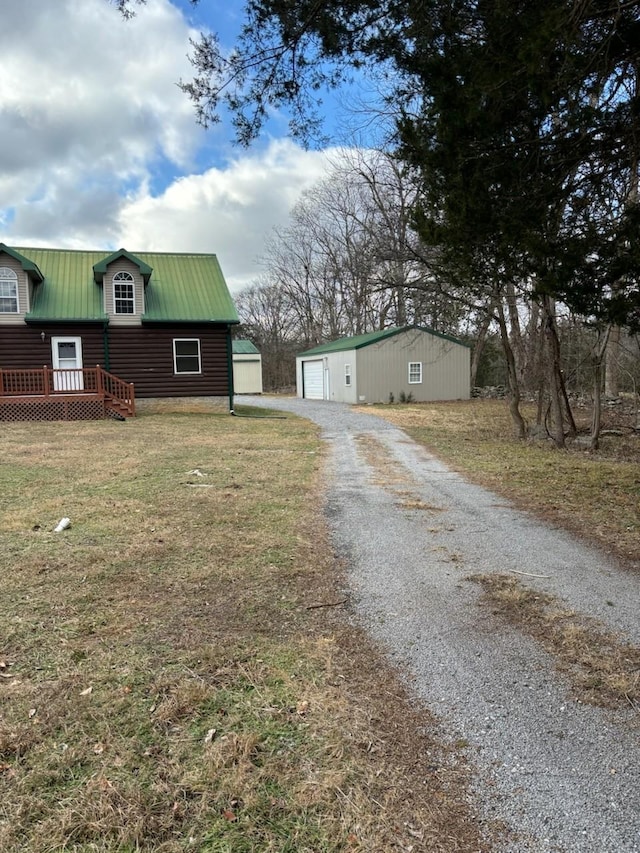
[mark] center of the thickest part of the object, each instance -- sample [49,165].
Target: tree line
[351,261]
[516,132]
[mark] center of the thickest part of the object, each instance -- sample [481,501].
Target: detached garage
[389,365]
[247,368]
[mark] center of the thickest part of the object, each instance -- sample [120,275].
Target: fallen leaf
[229,815]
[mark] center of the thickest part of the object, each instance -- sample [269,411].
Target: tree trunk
[598,358]
[559,401]
[539,372]
[596,418]
[480,340]
[519,424]
[517,343]
[611,364]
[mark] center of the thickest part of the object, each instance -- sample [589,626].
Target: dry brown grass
[166,684]
[603,669]
[594,495]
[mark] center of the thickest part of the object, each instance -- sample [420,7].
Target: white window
[347,374]
[415,372]
[186,355]
[8,291]
[123,293]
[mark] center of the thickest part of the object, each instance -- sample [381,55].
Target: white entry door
[66,354]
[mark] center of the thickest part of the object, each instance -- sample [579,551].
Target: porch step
[117,409]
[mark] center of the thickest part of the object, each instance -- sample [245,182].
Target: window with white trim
[347,374]
[186,355]
[124,301]
[415,372]
[8,291]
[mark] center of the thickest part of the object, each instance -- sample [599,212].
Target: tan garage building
[398,363]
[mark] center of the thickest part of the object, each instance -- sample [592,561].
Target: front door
[67,356]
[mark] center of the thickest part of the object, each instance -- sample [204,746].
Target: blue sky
[100,148]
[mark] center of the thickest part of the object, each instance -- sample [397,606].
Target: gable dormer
[18,277]
[123,277]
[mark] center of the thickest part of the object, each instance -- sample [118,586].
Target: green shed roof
[360,341]
[181,288]
[244,347]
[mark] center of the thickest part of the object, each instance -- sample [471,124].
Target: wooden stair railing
[117,393]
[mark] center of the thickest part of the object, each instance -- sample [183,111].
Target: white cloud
[227,211]
[99,146]
[87,98]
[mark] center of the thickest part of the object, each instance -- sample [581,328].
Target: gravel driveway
[562,775]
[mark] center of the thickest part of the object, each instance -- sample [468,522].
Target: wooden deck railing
[115,388]
[50,382]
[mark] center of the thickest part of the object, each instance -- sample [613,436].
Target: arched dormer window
[123,293]
[8,291]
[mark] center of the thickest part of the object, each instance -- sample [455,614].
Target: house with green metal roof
[159,320]
[399,363]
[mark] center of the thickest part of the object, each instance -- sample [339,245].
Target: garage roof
[360,341]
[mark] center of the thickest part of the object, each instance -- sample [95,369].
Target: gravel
[563,776]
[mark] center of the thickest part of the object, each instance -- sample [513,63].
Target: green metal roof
[243,347]
[187,288]
[360,341]
[69,291]
[182,287]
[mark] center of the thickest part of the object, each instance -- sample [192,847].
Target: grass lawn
[168,680]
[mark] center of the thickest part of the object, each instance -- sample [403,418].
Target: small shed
[411,362]
[247,368]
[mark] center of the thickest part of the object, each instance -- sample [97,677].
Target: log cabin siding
[144,356]
[22,347]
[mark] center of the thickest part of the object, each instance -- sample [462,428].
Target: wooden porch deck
[49,394]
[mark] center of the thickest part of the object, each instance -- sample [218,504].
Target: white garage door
[312,378]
